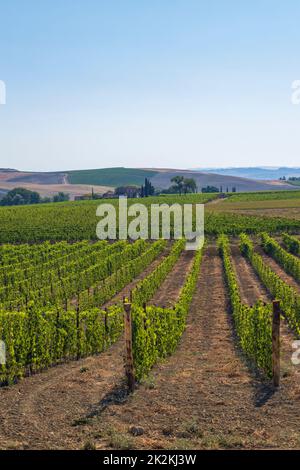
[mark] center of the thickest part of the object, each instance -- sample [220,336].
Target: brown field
[51,189]
[205,396]
[287,208]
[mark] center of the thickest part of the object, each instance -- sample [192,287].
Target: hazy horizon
[269,168]
[171,84]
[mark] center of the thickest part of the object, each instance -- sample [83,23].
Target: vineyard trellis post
[129,366]
[276,343]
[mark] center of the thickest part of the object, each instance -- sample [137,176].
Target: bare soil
[250,286]
[42,411]
[167,294]
[50,189]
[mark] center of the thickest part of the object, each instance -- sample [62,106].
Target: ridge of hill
[260,173]
[78,182]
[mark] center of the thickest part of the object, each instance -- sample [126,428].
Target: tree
[210,189]
[179,183]
[147,189]
[20,196]
[189,185]
[61,197]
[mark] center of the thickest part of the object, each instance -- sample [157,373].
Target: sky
[160,83]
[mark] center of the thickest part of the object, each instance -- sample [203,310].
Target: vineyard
[76,221]
[192,334]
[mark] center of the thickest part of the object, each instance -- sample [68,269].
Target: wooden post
[129,367]
[78,326]
[276,343]
[105,321]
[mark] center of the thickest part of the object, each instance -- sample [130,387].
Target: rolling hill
[78,182]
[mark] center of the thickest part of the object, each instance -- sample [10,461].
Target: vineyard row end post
[129,365]
[276,343]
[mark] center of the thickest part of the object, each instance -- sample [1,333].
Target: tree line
[22,196]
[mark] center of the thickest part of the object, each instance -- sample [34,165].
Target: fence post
[78,326]
[105,321]
[276,343]
[129,367]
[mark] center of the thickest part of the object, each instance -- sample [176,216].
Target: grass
[120,441]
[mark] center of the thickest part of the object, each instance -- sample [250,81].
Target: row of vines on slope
[58,285]
[289,262]
[156,330]
[39,337]
[253,324]
[289,298]
[291,243]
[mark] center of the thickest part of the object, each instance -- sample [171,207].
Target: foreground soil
[205,396]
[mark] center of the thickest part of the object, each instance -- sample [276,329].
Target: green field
[110,177]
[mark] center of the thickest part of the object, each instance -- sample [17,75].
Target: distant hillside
[259,173]
[162,180]
[110,176]
[81,182]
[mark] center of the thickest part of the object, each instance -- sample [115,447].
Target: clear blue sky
[154,83]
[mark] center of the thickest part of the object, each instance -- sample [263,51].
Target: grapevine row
[156,330]
[289,262]
[292,244]
[253,324]
[40,337]
[290,300]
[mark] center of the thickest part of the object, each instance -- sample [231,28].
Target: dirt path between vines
[204,396]
[47,411]
[167,293]
[250,286]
